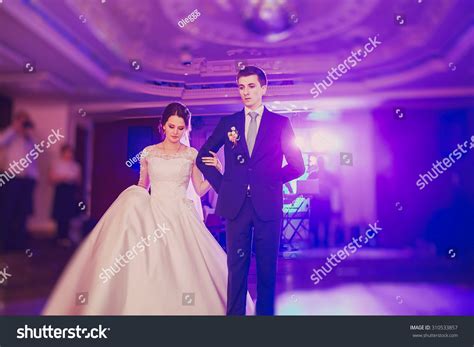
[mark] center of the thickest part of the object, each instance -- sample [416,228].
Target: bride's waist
[169,191]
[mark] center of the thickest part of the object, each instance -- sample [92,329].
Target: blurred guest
[450,228]
[17,180]
[65,173]
[312,164]
[320,205]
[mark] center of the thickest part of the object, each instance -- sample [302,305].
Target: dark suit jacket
[263,171]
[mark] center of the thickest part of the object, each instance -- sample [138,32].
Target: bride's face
[174,128]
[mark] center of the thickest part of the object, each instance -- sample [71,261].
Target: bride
[151,254]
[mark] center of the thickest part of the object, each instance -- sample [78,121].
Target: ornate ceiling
[120,52]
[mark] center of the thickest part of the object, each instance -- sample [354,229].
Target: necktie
[252,132]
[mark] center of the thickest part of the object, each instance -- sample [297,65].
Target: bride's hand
[213,161]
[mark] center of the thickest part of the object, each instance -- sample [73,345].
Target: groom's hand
[212,145]
[295,164]
[213,161]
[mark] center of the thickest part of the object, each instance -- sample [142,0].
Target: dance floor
[372,282]
[380,299]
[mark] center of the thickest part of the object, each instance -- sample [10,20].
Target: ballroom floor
[371,282]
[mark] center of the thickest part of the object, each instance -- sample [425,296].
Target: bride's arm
[202,186]
[144,180]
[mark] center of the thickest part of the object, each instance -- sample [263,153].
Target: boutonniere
[233,135]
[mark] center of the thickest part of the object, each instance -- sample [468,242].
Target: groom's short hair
[253,70]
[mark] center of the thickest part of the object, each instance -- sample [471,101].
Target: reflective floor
[370,282]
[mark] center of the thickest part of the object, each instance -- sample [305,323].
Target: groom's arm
[295,167]
[213,143]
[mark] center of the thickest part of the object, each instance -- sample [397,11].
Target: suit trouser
[266,235]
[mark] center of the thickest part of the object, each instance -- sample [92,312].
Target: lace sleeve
[144,180]
[193,154]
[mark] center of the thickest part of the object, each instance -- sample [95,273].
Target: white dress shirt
[69,170]
[16,147]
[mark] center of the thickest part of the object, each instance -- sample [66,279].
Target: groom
[250,190]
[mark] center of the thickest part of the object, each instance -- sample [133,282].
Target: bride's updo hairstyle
[175,109]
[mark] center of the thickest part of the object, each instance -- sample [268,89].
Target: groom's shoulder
[231,118]
[273,114]
[276,117]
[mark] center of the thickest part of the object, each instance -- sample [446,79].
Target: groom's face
[251,91]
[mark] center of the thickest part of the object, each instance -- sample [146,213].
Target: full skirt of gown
[146,256]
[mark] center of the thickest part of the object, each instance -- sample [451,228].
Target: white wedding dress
[149,254]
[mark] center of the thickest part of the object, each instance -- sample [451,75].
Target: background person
[321,211]
[16,198]
[65,174]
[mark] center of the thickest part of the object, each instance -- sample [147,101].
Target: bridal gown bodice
[167,174]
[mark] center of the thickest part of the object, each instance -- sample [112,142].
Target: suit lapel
[262,131]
